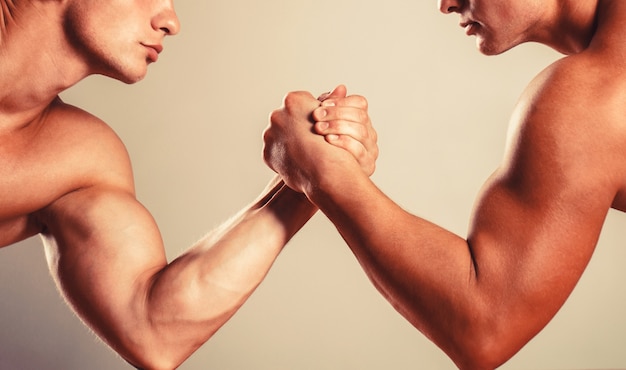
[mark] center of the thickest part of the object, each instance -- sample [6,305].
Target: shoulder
[586,91]
[569,123]
[88,152]
[64,116]
[588,78]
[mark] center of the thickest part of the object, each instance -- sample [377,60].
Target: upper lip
[157,47]
[465,23]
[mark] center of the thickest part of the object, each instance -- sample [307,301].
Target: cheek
[96,20]
[90,30]
[79,26]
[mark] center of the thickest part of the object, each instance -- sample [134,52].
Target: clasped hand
[309,139]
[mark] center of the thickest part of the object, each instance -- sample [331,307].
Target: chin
[128,77]
[134,79]
[492,47]
[489,49]
[488,52]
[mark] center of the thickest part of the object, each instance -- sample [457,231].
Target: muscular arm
[106,253]
[536,223]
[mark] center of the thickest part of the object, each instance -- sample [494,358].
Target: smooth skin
[65,175]
[537,219]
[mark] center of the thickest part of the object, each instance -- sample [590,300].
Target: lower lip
[153,55]
[471,29]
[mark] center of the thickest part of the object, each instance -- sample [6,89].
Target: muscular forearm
[105,252]
[426,272]
[206,285]
[395,248]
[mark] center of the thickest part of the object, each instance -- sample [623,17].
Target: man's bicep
[538,218]
[545,206]
[102,248]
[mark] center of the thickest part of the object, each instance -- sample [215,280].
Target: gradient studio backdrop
[193,129]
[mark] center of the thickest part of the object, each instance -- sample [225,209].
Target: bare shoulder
[65,151]
[89,155]
[582,91]
[570,124]
[88,146]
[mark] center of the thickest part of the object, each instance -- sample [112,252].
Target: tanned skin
[536,222]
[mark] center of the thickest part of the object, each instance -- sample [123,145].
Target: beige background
[193,129]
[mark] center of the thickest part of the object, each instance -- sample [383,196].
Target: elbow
[155,350]
[154,360]
[487,346]
[487,356]
[161,349]
[152,349]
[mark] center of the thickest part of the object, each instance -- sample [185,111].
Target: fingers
[342,120]
[345,123]
[332,118]
[364,150]
[364,153]
[299,101]
[338,92]
[346,116]
[356,101]
[352,123]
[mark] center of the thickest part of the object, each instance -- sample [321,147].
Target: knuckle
[359,152]
[293,98]
[375,154]
[363,116]
[361,101]
[266,154]
[346,142]
[320,114]
[370,134]
[275,116]
[372,169]
[289,98]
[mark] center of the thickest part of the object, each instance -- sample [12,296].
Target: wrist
[289,209]
[287,200]
[337,187]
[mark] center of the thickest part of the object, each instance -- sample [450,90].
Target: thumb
[338,92]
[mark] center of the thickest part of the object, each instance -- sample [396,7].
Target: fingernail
[332,137]
[328,103]
[322,125]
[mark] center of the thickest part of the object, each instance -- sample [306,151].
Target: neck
[36,62]
[571,26]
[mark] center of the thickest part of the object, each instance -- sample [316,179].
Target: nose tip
[167,21]
[450,6]
[173,26]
